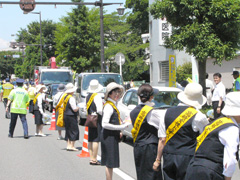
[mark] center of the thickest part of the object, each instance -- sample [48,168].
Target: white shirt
[154,116]
[198,123]
[57,98]
[229,137]
[107,113]
[39,101]
[99,103]
[72,103]
[219,91]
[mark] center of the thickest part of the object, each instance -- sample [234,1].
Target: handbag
[91,121]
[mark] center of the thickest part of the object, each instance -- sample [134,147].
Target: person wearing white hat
[216,152]
[70,118]
[112,126]
[57,97]
[38,110]
[95,106]
[178,132]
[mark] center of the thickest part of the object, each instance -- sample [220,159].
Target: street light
[40,30]
[120,12]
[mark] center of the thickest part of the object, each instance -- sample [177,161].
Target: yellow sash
[60,102]
[208,129]
[65,102]
[138,123]
[35,99]
[114,107]
[91,100]
[179,122]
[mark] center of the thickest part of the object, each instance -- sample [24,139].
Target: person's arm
[8,103]
[161,144]
[99,104]
[199,122]
[73,105]
[219,105]
[229,137]
[40,100]
[107,113]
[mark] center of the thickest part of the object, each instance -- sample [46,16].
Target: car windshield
[165,99]
[56,77]
[54,89]
[103,79]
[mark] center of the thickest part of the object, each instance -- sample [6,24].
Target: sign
[16,56]
[120,58]
[27,5]
[172,71]
[165,30]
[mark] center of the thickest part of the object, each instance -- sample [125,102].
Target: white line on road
[120,172]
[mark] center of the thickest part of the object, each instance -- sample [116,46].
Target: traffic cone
[53,121]
[85,152]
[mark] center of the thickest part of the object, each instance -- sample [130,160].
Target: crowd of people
[191,146]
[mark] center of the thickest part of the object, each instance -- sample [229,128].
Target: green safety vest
[234,86]
[19,98]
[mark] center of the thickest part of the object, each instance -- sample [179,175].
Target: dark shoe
[10,136]
[26,137]
[95,163]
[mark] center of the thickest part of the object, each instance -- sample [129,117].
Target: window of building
[163,70]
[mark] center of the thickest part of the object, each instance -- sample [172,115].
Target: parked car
[166,98]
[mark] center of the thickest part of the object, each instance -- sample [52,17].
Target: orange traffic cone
[85,152]
[53,121]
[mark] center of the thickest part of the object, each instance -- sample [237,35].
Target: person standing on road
[7,88]
[178,132]
[145,121]
[70,117]
[216,153]
[219,94]
[61,89]
[18,98]
[209,89]
[39,110]
[112,125]
[31,93]
[236,84]
[94,104]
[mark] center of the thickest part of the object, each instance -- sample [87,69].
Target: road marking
[119,172]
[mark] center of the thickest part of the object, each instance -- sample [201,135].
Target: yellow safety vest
[7,88]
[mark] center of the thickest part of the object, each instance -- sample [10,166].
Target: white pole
[120,65]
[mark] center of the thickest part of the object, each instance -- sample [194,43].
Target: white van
[82,82]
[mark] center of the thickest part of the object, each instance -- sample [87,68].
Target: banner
[172,71]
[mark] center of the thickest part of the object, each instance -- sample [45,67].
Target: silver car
[166,98]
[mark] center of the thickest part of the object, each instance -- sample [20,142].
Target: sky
[12,18]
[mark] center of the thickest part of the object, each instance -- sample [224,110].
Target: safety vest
[31,92]
[7,88]
[19,98]
[234,86]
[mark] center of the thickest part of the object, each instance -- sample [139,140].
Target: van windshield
[56,77]
[103,79]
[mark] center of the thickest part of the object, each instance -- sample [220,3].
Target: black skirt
[71,127]
[38,117]
[94,134]
[110,148]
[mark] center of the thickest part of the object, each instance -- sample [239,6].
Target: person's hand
[7,109]
[121,135]
[218,110]
[156,165]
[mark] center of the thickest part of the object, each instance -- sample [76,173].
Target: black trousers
[215,106]
[175,166]
[7,114]
[144,157]
[13,122]
[202,173]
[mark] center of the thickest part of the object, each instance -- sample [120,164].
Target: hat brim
[231,111]
[197,103]
[61,90]
[100,88]
[114,87]
[71,90]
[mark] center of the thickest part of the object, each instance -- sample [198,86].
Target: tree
[78,39]
[184,71]
[202,28]
[139,17]
[31,37]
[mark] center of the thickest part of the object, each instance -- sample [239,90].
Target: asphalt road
[46,158]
